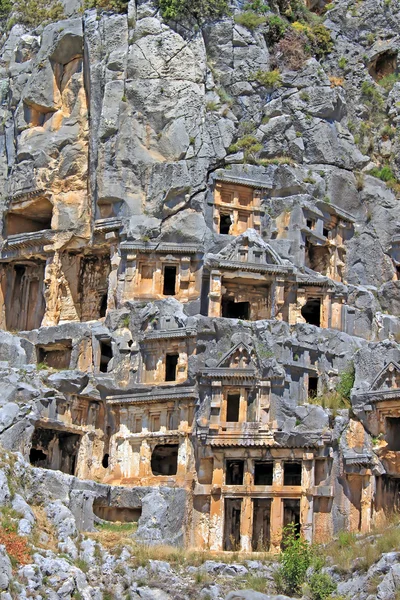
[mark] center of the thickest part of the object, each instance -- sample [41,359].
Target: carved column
[295,315]
[366,500]
[246,524]
[217,506]
[306,500]
[215,294]
[131,277]
[277,507]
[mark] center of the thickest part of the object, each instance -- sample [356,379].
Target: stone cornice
[154,395]
[161,334]
[161,247]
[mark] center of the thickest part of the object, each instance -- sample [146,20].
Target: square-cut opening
[105,355]
[292,473]
[263,473]
[234,472]
[171,364]
[232,407]
[169,288]
[164,459]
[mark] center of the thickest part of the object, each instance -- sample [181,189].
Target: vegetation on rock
[33,12]
[200,10]
[118,6]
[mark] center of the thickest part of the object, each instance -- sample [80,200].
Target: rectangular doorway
[233,509]
[261,525]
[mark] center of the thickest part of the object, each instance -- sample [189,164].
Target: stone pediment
[248,248]
[241,356]
[387,379]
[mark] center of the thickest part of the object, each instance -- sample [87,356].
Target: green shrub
[321,40]
[258,6]
[321,585]
[346,382]
[369,91]
[211,106]
[5,8]
[276,28]
[268,79]
[388,81]
[37,12]
[385,173]
[201,9]
[118,6]
[294,561]
[224,96]
[342,62]
[250,19]
[250,146]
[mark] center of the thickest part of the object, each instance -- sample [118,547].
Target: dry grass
[332,400]
[336,81]
[116,538]
[359,552]
[48,541]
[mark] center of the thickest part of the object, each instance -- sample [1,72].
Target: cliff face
[199,276]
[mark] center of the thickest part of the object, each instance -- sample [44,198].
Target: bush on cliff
[200,10]
[36,12]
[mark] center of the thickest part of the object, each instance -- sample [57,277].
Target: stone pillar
[183,453]
[276,524]
[306,500]
[145,460]
[295,315]
[51,284]
[217,507]
[366,500]
[336,314]
[246,524]
[112,291]
[243,406]
[277,507]
[215,294]
[278,300]
[325,310]
[158,280]
[131,279]
[3,288]
[184,278]
[182,367]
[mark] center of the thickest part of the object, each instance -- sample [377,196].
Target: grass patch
[349,551]
[268,79]
[384,174]
[117,527]
[250,20]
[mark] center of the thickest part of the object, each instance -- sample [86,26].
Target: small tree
[295,560]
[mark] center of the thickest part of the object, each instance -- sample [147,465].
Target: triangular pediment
[388,378]
[241,356]
[250,248]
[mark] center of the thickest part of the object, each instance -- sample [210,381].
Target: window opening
[225,224]
[232,408]
[292,473]
[235,310]
[234,472]
[171,363]
[263,473]
[164,460]
[311,311]
[105,355]
[169,281]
